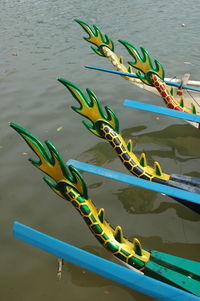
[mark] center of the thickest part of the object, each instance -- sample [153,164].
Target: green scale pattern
[83,207]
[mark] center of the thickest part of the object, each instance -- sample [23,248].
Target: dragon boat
[69,184]
[106,125]
[149,76]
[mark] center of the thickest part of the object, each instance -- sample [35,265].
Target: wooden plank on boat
[161,110]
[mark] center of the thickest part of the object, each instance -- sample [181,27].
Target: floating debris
[59,270]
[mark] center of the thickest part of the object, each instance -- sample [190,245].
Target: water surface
[39,43]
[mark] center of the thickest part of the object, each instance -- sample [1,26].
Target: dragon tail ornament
[70,185]
[150,73]
[105,124]
[154,76]
[105,48]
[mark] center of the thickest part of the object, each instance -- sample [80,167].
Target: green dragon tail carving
[107,128]
[154,76]
[143,63]
[105,47]
[96,38]
[91,109]
[72,187]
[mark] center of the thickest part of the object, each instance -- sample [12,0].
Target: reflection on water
[99,154]
[95,185]
[172,138]
[136,200]
[139,201]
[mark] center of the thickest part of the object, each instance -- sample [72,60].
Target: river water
[39,42]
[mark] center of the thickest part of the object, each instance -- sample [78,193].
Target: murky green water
[39,41]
